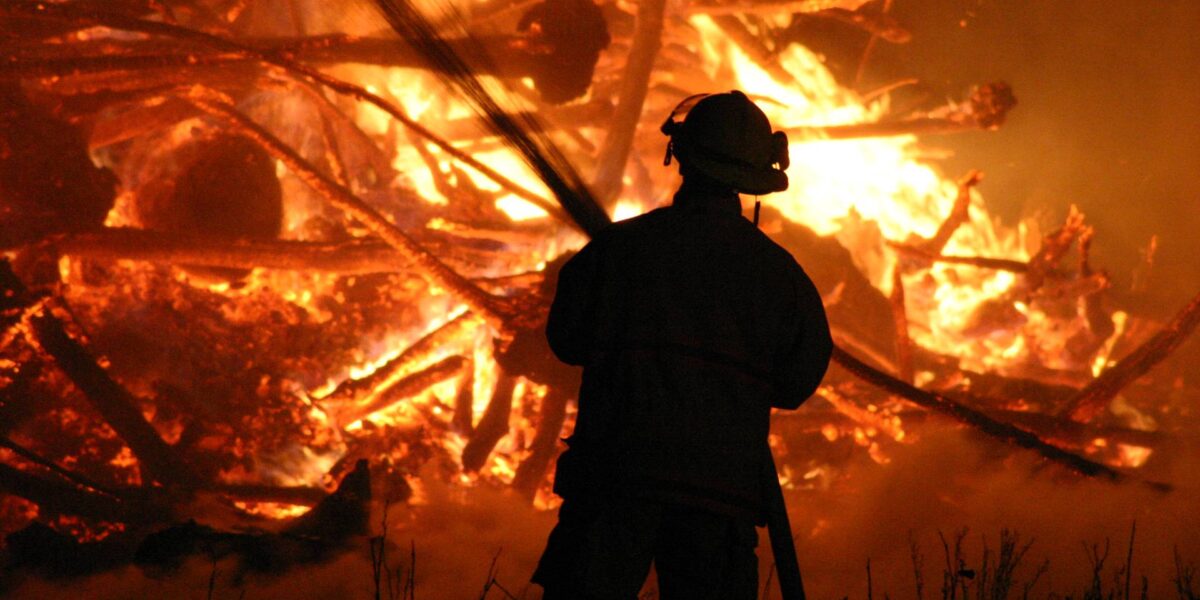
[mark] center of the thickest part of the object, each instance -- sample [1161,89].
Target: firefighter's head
[728,139]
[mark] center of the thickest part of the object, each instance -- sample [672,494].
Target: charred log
[390,372]
[406,387]
[492,426]
[56,497]
[113,402]
[532,470]
[1093,398]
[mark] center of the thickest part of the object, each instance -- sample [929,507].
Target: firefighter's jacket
[690,324]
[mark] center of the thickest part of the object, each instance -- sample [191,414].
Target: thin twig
[33,457]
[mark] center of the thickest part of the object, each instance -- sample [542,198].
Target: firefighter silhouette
[690,324]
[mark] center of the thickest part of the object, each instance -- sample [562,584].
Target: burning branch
[1093,398]
[490,307]
[959,214]
[118,407]
[1054,247]
[358,257]
[983,262]
[753,47]
[977,420]
[532,469]
[764,7]
[81,17]
[115,404]
[986,109]
[406,387]
[492,426]
[56,497]
[391,372]
[523,57]
[614,153]
[73,477]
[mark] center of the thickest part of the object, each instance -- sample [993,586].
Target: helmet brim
[745,179]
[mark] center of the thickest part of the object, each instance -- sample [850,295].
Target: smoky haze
[1109,119]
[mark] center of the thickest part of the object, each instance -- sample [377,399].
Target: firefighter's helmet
[728,138]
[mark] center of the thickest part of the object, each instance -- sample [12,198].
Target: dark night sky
[1109,118]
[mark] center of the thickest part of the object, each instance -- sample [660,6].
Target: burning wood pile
[249,245]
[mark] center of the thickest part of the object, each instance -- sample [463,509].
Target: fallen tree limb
[999,264]
[357,257]
[117,406]
[249,492]
[532,470]
[492,426]
[405,387]
[977,420]
[395,368]
[71,476]
[58,497]
[1097,394]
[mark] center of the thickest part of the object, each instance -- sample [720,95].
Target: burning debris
[304,249]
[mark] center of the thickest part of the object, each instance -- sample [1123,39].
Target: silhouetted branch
[977,420]
[532,469]
[492,426]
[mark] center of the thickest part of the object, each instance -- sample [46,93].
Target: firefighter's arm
[569,326]
[800,370]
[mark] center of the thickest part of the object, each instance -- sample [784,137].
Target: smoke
[948,481]
[951,480]
[454,534]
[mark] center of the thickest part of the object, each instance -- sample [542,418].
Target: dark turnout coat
[690,325]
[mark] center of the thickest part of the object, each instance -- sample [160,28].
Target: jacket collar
[699,202]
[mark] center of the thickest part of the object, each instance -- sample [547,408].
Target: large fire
[282,378]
